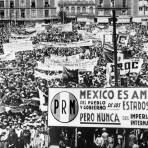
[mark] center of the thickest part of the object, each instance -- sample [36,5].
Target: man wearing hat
[26,136]
[12,139]
[81,142]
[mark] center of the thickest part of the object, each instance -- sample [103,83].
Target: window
[91,10]
[124,3]
[78,10]
[12,14]
[100,2]
[140,8]
[46,3]
[46,13]
[67,9]
[22,3]
[2,14]
[124,12]
[33,4]
[73,10]
[33,13]
[11,4]
[84,10]
[22,13]
[112,3]
[1,4]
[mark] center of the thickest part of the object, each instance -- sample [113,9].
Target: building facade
[97,10]
[104,10]
[82,10]
[27,10]
[139,10]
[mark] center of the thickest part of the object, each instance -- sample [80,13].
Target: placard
[96,107]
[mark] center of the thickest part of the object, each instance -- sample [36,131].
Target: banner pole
[76,139]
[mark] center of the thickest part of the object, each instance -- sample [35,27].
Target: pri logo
[64,107]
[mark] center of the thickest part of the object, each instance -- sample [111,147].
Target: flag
[43,98]
[70,75]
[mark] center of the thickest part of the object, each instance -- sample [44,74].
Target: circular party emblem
[64,107]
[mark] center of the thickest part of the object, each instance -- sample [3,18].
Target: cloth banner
[66,45]
[70,75]
[7,57]
[64,27]
[64,58]
[21,36]
[18,46]
[82,65]
[126,66]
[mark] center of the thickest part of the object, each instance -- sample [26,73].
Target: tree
[63,16]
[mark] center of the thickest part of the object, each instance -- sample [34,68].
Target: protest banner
[96,107]
[65,58]
[68,45]
[126,66]
[82,65]
[8,57]
[123,39]
[18,46]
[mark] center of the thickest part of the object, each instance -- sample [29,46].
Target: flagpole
[76,138]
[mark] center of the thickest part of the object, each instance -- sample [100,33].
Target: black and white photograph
[73,73]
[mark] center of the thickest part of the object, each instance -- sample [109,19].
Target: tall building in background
[139,10]
[81,10]
[123,10]
[27,10]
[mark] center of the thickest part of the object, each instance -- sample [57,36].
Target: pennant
[70,75]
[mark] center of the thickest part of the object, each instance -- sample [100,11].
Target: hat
[119,136]
[103,129]
[79,132]
[135,146]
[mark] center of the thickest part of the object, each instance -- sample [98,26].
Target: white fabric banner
[7,57]
[83,65]
[18,46]
[64,58]
[66,45]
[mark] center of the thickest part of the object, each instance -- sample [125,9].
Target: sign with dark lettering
[123,39]
[126,66]
[96,107]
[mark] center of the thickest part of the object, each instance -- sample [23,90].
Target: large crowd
[28,128]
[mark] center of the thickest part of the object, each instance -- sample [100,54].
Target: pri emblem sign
[64,107]
[98,107]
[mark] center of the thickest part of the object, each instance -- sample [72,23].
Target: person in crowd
[12,139]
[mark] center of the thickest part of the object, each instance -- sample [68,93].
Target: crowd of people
[29,128]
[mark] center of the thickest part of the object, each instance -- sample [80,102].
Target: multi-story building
[81,10]
[104,10]
[96,10]
[27,10]
[139,10]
